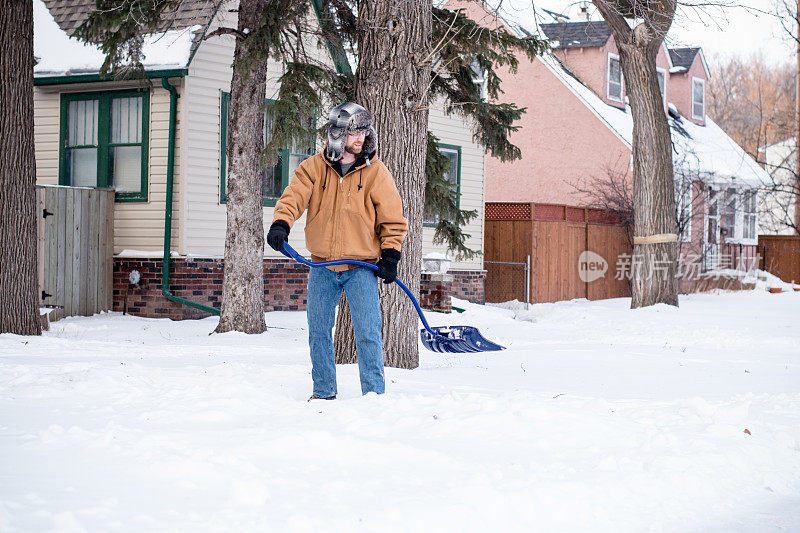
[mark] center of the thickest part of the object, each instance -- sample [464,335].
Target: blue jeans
[324,290]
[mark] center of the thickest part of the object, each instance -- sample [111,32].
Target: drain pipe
[173,104]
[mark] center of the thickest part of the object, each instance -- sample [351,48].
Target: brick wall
[434,292]
[469,285]
[200,280]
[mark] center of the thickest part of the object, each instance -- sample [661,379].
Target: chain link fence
[507,281]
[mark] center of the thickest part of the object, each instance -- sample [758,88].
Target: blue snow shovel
[444,339]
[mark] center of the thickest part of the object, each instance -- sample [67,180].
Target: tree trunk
[344,339]
[19,275]
[796,184]
[653,277]
[654,264]
[243,278]
[392,81]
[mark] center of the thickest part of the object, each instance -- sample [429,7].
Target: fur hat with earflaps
[345,118]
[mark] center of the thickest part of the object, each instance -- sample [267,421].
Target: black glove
[387,265]
[278,234]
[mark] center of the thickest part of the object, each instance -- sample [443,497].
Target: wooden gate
[555,236]
[76,248]
[781,256]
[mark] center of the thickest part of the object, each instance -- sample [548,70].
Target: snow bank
[130,253]
[596,418]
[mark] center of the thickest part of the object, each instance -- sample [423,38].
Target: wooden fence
[554,236]
[76,247]
[780,255]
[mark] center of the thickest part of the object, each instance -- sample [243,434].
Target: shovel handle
[291,253]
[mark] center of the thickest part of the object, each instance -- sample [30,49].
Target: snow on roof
[58,53]
[706,150]
[709,151]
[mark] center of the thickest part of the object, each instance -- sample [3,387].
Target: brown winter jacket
[353,216]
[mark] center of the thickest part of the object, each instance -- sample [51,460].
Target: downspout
[173,104]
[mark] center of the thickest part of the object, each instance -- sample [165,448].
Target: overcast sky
[736,30]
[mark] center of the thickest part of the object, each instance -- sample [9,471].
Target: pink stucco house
[577,131]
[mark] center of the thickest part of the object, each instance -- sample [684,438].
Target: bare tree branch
[226,31]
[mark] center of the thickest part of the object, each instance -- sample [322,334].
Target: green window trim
[285,154]
[457,150]
[104,144]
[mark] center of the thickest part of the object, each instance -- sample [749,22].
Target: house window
[453,153]
[749,218]
[713,217]
[711,248]
[661,74]
[698,98]
[104,142]
[614,78]
[730,213]
[275,177]
[479,77]
[683,202]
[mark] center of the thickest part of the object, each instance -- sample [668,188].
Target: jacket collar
[361,161]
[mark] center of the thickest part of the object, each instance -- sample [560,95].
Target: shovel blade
[457,339]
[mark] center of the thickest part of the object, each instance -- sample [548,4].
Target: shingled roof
[682,57]
[578,34]
[69,14]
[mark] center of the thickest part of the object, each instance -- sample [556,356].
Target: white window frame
[455,180]
[684,201]
[666,77]
[608,79]
[736,234]
[711,255]
[747,215]
[702,82]
[480,79]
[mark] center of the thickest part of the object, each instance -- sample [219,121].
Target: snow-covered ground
[596,418]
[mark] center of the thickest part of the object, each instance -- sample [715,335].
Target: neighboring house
[578,131]
[778,205]
[94,132]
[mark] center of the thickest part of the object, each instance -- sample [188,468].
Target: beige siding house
[93,132]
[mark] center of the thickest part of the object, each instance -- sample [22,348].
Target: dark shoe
[314,397]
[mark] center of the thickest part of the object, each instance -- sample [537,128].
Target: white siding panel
[452,129]
[46,118]
[209,76]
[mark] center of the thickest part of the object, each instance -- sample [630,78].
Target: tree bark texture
[19,279]
[243,278]
[654,265]
[392,81]
[797,129]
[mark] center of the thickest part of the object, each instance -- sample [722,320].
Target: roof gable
[578,34]
[682,58]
